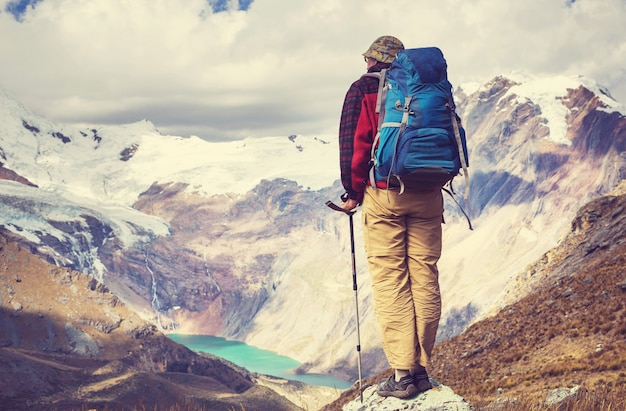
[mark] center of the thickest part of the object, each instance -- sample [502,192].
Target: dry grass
[602,399]
[571,332]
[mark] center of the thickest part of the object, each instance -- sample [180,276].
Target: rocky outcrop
[6,174]
[439,398]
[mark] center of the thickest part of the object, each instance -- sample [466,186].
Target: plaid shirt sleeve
[354,144]
[349,118]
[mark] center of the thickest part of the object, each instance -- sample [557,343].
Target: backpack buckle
[406,107]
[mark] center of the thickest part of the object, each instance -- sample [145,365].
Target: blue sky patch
[223,5]
[18,7]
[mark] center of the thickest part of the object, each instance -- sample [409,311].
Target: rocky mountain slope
[234,239]
[66,342]
[570,327]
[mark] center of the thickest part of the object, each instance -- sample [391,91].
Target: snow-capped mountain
[94,162]
[541,148]
[233,239]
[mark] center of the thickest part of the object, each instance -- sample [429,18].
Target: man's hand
[349,204]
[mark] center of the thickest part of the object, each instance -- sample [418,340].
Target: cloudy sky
[224,69]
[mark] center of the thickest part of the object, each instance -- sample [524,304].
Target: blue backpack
[420,140]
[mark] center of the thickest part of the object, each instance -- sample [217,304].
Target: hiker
[402,236]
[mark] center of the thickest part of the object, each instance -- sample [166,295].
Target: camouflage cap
[384,49]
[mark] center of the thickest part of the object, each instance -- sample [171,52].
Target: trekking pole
[355,288]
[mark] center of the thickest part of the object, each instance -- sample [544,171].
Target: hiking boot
[422,382]
[405,388]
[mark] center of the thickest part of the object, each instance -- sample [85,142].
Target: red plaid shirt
[357,130]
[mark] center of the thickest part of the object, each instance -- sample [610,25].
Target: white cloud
[282,67]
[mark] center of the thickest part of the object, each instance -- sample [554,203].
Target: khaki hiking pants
[402,236]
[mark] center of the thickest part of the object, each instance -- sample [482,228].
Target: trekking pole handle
[335,207]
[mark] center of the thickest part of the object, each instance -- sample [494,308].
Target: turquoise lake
[255,359]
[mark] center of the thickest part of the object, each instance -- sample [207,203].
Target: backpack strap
[406,112]
[469,222]
[380,98]
[459,143]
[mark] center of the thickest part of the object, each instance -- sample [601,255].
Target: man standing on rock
[402,236]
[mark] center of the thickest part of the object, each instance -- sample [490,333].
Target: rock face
[205,267]
[272,261]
